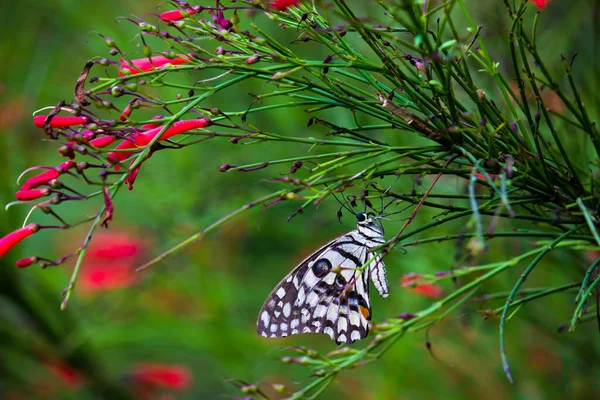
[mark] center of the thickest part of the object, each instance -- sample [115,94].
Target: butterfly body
[328,292]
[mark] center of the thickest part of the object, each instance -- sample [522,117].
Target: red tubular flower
[158,375]
[12,239]
[32,194]
[149,64]
[413,283]
[40,179]
[102,141]
[59,121]
[116,157]
[176,15]
[47,176]
[283,5]
[541,3]
[153,125]
[175,129]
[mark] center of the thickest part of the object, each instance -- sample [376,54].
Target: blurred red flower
[165,376]
[66,374]
[414,283]
[108,276]
[541,3]
[110,262]
[283,5]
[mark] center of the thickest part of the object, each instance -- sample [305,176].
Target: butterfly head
[369,222]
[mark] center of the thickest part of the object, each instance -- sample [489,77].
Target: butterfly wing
[323,294]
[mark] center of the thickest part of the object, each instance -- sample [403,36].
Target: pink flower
[149,64]
[283,5]
[176,15]
[60,121]
[541,3]
[413,283]
[31,194]
[157,375]
[12,239]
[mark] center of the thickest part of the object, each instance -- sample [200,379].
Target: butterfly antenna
[342,205]
[399,211]
[386,192]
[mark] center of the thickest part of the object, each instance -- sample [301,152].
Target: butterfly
[327,293]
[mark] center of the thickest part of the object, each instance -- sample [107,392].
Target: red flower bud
[59,121]
[26,262]
[414,283]
[65,166]
[175,15]
[12,239]
[283,5]
[175,129]
[252,60]
[31,194]
[149,64]
[126,113]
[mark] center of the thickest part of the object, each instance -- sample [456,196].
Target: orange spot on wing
[365,312]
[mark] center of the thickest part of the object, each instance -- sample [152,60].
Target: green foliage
[405,105]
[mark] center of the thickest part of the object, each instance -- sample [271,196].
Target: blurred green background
[195,313]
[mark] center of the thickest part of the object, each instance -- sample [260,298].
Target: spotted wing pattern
[326,293]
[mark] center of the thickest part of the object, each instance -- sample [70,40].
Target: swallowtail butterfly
[327,293]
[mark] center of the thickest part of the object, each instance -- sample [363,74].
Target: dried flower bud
[481,94]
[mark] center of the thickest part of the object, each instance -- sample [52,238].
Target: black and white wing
[326,293]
